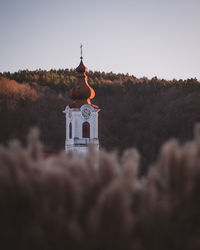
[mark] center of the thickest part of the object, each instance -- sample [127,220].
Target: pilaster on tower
[81,114]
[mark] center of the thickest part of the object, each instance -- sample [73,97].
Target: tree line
[64,79]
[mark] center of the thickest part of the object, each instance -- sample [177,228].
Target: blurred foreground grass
[98,201]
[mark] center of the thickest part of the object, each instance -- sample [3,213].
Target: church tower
[81,115]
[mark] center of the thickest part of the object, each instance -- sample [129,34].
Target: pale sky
[140,37]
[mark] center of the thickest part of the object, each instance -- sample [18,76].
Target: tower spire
[82,92]
[81,114]
[81,47]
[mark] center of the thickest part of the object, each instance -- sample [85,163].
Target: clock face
[86,113]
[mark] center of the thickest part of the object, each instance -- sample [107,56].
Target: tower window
[70,130]
[86,130]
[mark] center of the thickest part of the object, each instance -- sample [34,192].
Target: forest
[141,113]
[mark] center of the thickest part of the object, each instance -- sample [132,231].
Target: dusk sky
[140,37]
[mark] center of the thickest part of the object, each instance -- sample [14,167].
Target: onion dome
[81,68]
[81,93]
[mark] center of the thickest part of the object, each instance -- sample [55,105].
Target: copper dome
[81,93]
[81,68]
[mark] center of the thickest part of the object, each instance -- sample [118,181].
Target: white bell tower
[81,128]
[81,115]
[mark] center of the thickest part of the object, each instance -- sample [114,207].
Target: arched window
[70,130]
[86,130]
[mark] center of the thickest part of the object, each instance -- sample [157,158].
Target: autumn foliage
[11,93]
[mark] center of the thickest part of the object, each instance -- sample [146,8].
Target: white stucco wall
[77,143]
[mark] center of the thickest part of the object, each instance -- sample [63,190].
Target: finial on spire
[81,51]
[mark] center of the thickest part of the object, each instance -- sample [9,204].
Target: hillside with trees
[141,113]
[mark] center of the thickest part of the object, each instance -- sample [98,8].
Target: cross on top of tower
[81,51]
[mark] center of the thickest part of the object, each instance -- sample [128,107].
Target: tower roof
[81,68]
[82,92]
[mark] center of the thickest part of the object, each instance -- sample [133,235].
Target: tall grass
[98,201]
